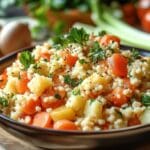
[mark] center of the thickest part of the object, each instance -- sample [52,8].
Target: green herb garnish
[82,61]
[135,53]
[26,59]
[74,36]
[102,33]
[96,53]
[72,82]
[78,36]
[145,100]
[76,92]
[3,101]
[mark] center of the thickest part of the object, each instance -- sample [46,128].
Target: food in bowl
[78,82]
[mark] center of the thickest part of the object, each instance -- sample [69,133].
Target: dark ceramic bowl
[48,138]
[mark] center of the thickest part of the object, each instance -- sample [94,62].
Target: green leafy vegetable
[26,59]
[74,36]
[135,53]
[3,101]
[72,82]
[78,36]
[96,53]
[146,99]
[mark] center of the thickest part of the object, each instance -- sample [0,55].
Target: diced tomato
[129,13]
[45,56]
[118,64]
[64,125]
[127,84]
[29,107]
[3,79]
[22,83]
[106,39]
[117,97]
[134,121]
[146,22]
[53,102]
[69,59]
[43,120]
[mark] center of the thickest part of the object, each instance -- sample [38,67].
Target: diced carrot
[43,120]
[3,79]
[69,59]
[134,121]
[64,125]
[117,97]
[118,64]
[22,84]
[106,39]
[52,103]
[29,107]
[45,56]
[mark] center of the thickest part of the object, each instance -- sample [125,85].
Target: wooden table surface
[10,142]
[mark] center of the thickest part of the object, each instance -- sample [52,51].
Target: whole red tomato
[146,22]
[142,7]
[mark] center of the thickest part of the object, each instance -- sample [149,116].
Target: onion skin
[14,36]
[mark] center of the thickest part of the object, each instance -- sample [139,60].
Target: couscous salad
[78,82]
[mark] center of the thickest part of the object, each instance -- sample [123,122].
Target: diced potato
[39,84]
[11,85]
[92,81]
[93,108]
[43,68]
[145,118]
[63,113]
[77,103]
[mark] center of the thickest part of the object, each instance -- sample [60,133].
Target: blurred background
[27,22]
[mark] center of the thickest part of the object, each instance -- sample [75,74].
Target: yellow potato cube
[77,103]
[39,84]
[11,85]
[63,113]
[93,108]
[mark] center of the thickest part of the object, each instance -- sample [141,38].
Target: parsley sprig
[145,99]
[96,53]
[3,102]
[74,36]
[72,82]
[26,59]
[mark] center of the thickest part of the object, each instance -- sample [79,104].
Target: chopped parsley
[74,36]
[3,101]
[135,53]
[145,100]
[91,101]
[72,82]
[78,36]
[26,59]
[82,61]
[57,96]
[76,92]
[96,53]
[102,33]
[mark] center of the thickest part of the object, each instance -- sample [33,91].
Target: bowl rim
[5,119]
